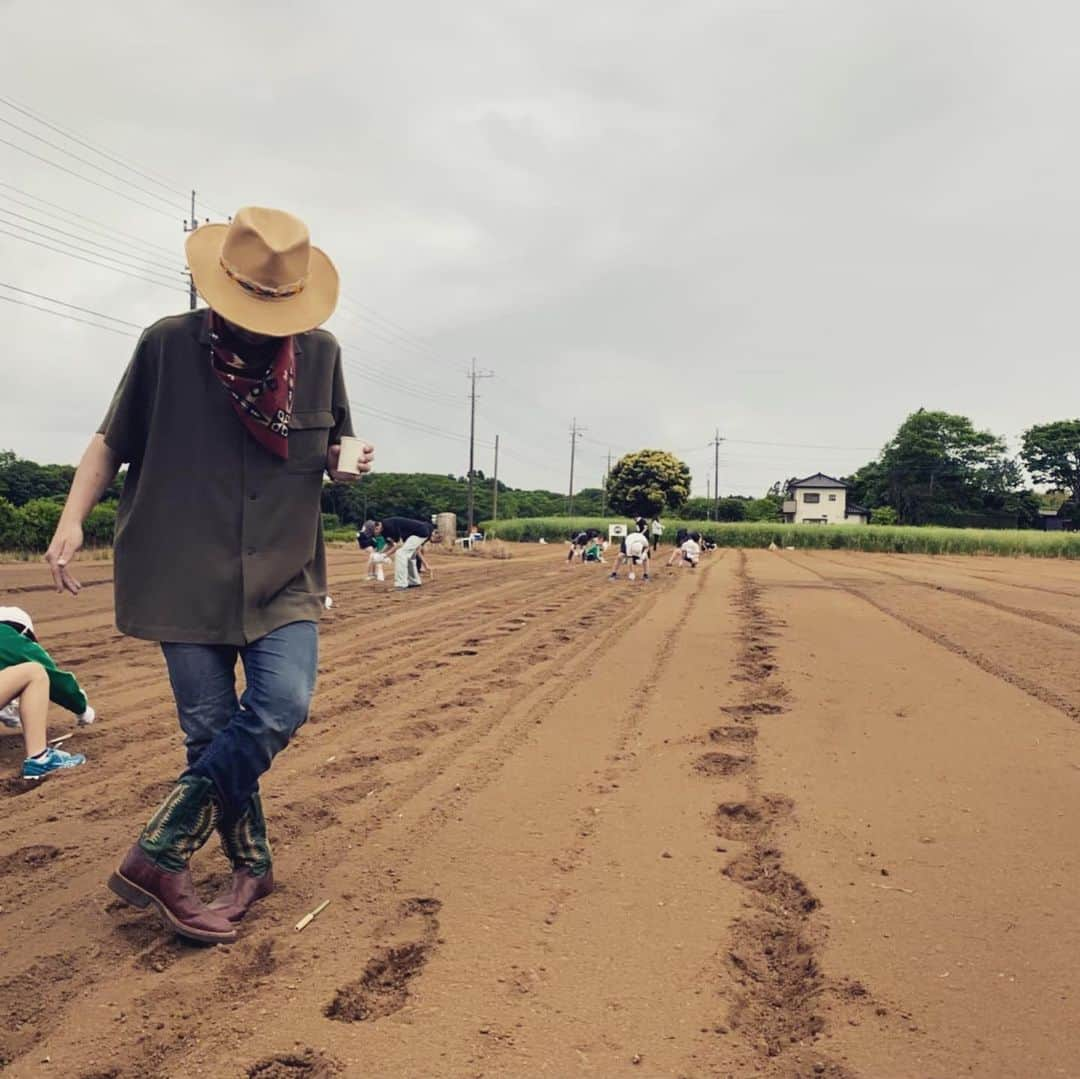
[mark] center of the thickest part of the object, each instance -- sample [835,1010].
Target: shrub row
[894,538]
[30,527]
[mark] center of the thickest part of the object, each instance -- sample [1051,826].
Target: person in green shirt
[29,679]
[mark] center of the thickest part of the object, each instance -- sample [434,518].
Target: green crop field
[895,538]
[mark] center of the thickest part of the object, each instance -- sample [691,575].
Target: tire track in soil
[136,942]
[973,597]
[779,1007]
[1033,689]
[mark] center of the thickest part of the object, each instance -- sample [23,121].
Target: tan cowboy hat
[261,272]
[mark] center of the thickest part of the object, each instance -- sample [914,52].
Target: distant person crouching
[404,538]
[635,551]
[29,679]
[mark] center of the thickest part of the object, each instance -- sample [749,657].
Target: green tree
[1051,454]
[869,486]
[100,525]
[10,526]
[938,466]
[39,519]
[22,481]
[648,482]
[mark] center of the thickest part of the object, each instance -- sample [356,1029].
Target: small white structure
[822,500]
[616,532]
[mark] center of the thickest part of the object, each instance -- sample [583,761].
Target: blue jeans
[232,740]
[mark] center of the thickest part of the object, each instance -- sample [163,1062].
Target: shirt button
[251,550]
[253,496]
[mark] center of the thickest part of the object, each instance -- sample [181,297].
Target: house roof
[855,511]
[818,479]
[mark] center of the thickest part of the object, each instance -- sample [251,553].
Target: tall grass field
[894,538]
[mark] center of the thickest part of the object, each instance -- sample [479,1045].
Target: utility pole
[473,375]
[191,226]
[716,475]
[708,494]
[575,434]
[495,485]
[603,489]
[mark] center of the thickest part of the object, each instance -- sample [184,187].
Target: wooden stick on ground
[310,917]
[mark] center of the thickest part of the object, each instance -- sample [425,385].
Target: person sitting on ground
[635,551]
[404,538]
[29,679]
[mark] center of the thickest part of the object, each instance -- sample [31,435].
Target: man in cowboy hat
[228,418]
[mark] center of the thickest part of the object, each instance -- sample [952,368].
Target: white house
[822,500]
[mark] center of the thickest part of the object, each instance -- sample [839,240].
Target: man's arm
[96,471]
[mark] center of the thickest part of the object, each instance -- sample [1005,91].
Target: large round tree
[648,482]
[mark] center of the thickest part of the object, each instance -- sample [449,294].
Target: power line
[390,383]
[73,306]
[70,318]
[97,226]
[128,252]
[84,161]
[87,179]
[801,445]
[168,185]
[387,336]
[68,246]
[390,324]
[416,425]
[92,261]
[89,146]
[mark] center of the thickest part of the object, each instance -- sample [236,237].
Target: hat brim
[305,310]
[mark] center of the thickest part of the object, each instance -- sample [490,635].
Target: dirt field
[794,814]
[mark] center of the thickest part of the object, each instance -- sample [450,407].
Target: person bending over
[404,538]
[635,551]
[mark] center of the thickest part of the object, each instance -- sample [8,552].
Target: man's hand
[362,466]
[66,541]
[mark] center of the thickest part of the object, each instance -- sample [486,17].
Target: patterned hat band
[264,292]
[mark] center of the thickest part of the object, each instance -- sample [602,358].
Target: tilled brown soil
[795,813]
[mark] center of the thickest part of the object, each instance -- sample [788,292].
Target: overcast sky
[792,221]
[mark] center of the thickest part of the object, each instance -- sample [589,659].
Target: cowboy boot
[246,846]
[155,869]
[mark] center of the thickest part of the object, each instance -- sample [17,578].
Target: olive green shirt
[217,540]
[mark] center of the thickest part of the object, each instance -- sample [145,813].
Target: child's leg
[30,683]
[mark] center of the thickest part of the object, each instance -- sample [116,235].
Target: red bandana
[264,404]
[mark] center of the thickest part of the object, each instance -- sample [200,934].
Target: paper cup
[351,451]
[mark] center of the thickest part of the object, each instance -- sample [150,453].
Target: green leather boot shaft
[182,823]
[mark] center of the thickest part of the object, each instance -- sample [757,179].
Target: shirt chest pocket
[309,439]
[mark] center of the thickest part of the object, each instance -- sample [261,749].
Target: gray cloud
[793,222]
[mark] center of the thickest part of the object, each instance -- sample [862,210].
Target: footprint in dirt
[732,734]
[27,859]
[721,764]
[761,871]
[306,1064]
[383,988]
[465,652]
[757,708]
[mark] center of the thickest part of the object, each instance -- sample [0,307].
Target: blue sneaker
[54,759]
